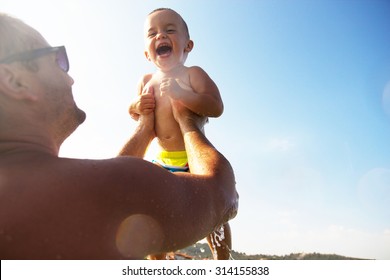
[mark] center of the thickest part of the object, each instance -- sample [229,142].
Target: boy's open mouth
[163,49]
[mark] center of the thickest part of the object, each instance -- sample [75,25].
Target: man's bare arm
[185,207]
[211,184]
[194,204]
[138,143]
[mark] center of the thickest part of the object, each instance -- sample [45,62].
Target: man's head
[35,89]
[16,36]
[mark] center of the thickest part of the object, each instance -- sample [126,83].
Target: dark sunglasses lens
[62,60]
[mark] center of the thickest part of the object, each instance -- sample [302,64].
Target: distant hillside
[201,251]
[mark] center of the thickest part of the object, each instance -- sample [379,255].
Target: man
[60,208]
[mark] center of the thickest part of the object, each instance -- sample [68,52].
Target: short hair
[16,36]
[169,9]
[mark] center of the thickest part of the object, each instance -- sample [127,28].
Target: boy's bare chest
[163,101]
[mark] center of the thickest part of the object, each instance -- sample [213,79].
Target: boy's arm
[203,99]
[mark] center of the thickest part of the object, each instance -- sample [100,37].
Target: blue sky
[306,88]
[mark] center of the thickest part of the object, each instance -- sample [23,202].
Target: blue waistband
[172,168]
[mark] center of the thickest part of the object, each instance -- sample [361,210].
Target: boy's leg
[162,256]
[220,243]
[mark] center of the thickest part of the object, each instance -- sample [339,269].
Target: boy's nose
[161,35]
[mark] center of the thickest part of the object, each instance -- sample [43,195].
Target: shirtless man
[62,208]
[167,45]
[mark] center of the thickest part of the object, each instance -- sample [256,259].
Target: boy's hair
[169,9]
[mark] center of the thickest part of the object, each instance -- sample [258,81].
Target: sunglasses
[61,56]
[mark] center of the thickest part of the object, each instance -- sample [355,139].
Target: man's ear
[12,83]
[146,53]
[190,46]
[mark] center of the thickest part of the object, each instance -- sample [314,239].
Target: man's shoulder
[64,169]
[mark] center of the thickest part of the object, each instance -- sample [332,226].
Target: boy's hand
[172,88]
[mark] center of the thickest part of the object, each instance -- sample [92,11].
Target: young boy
[167,46]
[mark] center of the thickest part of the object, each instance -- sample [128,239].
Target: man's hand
[144,132]
[186,118]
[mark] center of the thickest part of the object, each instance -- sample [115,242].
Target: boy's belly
[168,133]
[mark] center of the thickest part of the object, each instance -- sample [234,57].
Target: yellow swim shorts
[173,161]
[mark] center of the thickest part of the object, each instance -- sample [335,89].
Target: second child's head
[167,39]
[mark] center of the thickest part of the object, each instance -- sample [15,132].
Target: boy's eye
[170,31]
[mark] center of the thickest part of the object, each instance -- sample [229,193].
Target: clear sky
[306,88]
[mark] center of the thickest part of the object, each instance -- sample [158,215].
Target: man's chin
[82,116]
